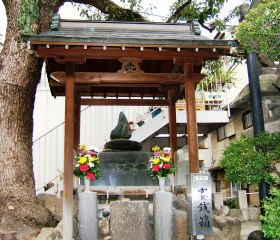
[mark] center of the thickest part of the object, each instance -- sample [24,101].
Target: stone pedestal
[218,200]
[242,199]
[88,216]
[130,220]
[162,216]
[180,225]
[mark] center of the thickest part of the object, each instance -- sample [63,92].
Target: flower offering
[87,163]
[161,163]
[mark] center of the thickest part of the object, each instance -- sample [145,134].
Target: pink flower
[84,167]
[157,153]
[83,152]
[91,153]
[156,168]
[166,166]
[91,176]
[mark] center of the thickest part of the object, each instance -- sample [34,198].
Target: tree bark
[19,75]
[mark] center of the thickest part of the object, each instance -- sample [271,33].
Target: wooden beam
[125,79]
[124,102]
[121,78]
[197,77]
[73,59]
[68,152]
[191,118]
[117,52]
[180,61]
[172,123]
[82,87]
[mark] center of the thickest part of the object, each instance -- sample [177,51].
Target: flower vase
[87,184]
[161,181]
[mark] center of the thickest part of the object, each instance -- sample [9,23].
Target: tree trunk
[19,75]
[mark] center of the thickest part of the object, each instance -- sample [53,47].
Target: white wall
[48,111]
[242,81]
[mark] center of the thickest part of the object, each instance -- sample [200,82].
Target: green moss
[29,13]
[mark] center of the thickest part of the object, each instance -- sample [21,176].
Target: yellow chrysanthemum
[83,160]
[92,159]
[156,161]
[167,159]
[156,148]
[83,147]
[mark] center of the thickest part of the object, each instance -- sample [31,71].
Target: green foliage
[231,203]
[29,13]
[130,11]
[219,74]
[89,12]
[205,11]
[249,159]
[260,30]
[271,218]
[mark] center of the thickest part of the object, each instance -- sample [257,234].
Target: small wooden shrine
[123,63]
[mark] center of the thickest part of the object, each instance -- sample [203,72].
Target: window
[247,120]
[221,133]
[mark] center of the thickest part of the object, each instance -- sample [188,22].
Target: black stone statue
[122,130]
[120,136]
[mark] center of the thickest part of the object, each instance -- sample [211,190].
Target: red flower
[156,168]
[91,176]
[166,166]
[84,167]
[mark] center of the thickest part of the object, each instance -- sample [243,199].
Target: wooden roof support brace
[68,152]
[191,118]
[172,122]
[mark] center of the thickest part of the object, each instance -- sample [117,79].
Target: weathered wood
[77,123]
[115,53]
[74,59]
[121,78]
[191,118]
[124,102]
[195,60]
[172,123]
[68,152]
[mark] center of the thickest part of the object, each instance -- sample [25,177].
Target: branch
[266,62]
[178,11]
[201,22]
[114,11]
[207,12]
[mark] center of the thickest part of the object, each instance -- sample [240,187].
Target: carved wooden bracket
[130,65]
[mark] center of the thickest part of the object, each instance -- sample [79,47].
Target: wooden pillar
[191,118]
[68,152]
[172,123]
[77,123]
